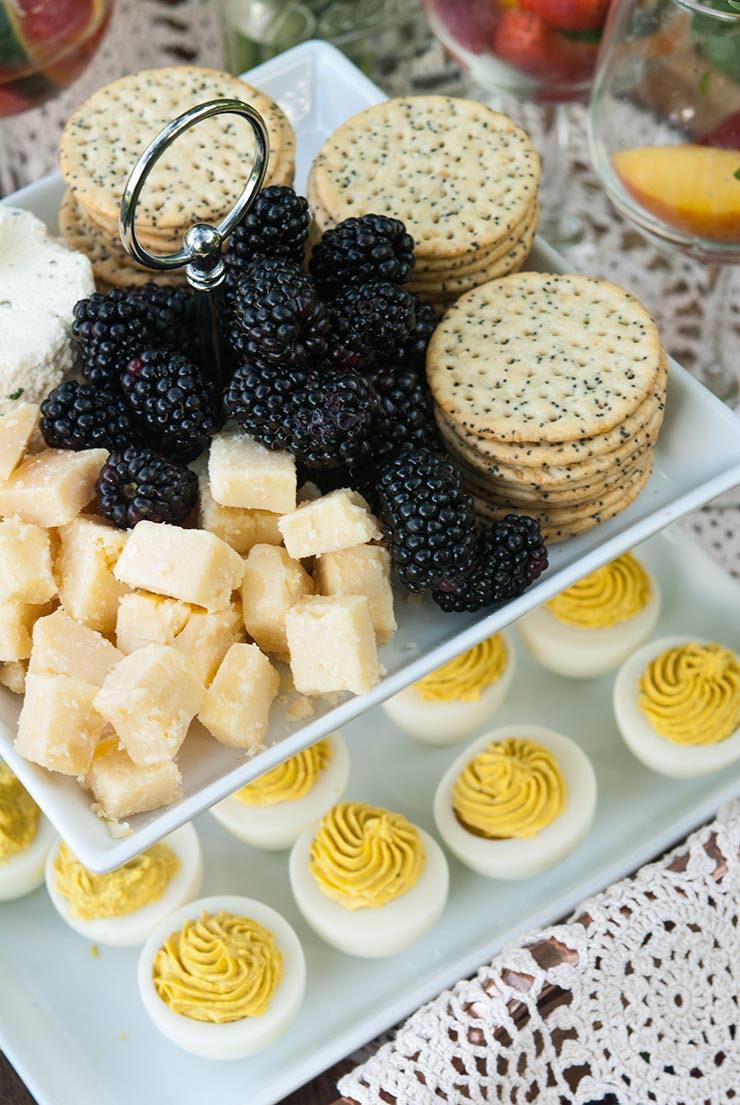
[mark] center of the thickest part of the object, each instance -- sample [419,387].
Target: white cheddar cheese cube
[236,708]
[16,430]
[17,620]
[207,637]
[244,473]
[362,570]
[52,487]
[150,698]
[336,521]
[332,645]
[59,726]
[63,646]
[202,636]
[25,563]
[242,529]
[272,584]
[186,564]
[13,675]
[89,591]
[146,619]
[123,788]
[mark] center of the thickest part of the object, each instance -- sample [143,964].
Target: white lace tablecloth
[635,1000]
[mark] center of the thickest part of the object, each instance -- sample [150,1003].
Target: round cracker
[455,286]
[458,174]
[555,454]
[199,176]
[543,357]
[431,272]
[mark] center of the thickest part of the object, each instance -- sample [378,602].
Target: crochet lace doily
[636,997]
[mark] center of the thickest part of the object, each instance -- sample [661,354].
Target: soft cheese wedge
[52,487]
[187,564]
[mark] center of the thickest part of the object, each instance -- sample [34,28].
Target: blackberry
[139,484]
[414,350]
[260,398]
[372,247]
[172,311]
[510,556]
[173,400]
[331,419]
[276,226]
[109,328]
[370,322]
[428,520]
[277,316]
[78,416]
[403,412]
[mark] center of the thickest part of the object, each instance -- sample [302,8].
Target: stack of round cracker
[549,395]
[463,178]
[198,179]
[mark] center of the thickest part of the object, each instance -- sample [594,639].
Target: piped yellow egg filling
[364,856]
[467,676]
[218,969]
[513,788]
[290,780]
[691,693]
[19,816]
[610,595]
[138,883]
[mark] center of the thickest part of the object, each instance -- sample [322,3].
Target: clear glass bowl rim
[704,9]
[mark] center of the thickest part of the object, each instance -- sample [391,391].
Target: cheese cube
[362,570]
[25,563]
[52,487]
[17,619]
[242,529]
[336,521]
[186,564]
[59,725]
[13,676]
[150,698]
[207,637]
[332,645]
[16,430]
[62,646]
[123,788]
[146,619]
[244,473]
[272,584]
[89,591]
[236,708]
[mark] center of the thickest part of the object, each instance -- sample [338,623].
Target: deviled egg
[25,839]
[677,705]
[222,977]
[516,802]
[593,626]
[274,810]
[122,907]
[367,881]
[452,702]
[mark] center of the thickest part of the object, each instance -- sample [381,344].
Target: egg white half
[24,872]
[279,826]
[585,653]
[657,752]
[239,1038]
[521,859]
[134,928]
[440,723]
[372,933]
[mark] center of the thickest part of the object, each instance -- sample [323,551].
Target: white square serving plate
[697,458]
[76,1030]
